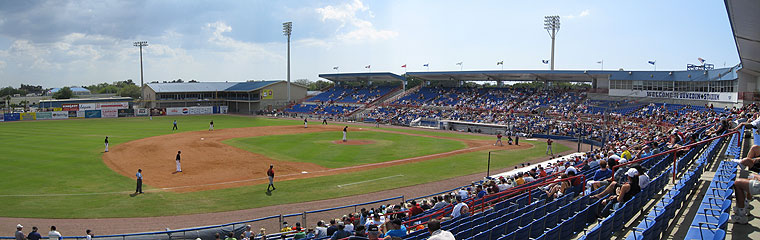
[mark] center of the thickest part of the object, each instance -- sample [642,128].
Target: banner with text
[731,97]
[223,109]
[127,112]
[28,116]
[60,115]
[141,112]
[109,112]
[70,107]
[11,117]
[189,111]
[44,115]
[116,105]
[92,113]
[267,94]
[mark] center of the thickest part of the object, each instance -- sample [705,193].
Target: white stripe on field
[371,180]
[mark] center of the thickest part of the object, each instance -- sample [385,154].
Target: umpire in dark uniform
[139,181]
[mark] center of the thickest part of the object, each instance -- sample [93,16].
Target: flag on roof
[599,62]
[651,62]
[403,66]
[545,61]
[460,63]
[500,63]
[336,67]
[701,60]
[426,65]
[368,66]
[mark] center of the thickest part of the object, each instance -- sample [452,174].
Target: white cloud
[239,49]
[360,29]
[583,13]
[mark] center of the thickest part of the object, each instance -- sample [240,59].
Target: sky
[72,43]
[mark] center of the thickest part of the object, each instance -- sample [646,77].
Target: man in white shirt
[53,234]
[460,208]
[463,193]
[320,231]
[436,233]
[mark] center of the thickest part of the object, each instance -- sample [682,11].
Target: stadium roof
[369,76]
[577,75]
[745,23]
[210,86]
[73,89]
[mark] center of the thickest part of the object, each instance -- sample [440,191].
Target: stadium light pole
[287,28]
[551,24]
[141,44]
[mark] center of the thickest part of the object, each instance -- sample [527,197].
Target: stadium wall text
[731,97]
[111,112]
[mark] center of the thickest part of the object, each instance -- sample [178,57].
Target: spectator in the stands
[248,233]
[441,203]
[332,228]
[373,232]
[395,228]
[528,178]
[745,188]
[320,231]
[340,233]
[436,233]
[460,209]
[752,161]
[519,181]
[463,193]
[600,176]
[348,225]
[624,192]
[34,235]
[415,209]
[285,227]
[375,220]
[481,193]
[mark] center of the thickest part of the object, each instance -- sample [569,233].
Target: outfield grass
[318,147]
[64,157]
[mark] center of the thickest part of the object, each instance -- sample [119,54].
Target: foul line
[371,180]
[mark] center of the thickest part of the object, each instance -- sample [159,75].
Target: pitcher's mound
[354,142]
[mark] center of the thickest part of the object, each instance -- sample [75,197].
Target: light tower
[551,24]
[141,45]
[287,28]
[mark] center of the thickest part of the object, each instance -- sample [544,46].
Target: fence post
[279,226]
[674,166]
[303,220]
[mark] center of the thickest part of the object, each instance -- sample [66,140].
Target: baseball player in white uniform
[305,123]
[106,143]
[345,129]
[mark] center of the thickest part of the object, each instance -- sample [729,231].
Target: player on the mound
[270,174]
[305,123]
[345,130]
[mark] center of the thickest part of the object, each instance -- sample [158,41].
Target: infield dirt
[210,164]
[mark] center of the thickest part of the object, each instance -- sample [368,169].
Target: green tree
[63,93]
[132,91]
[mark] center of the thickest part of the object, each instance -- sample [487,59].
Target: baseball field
[58,169]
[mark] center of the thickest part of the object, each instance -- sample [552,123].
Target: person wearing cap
[528,178]
[248,233]
[373,232]
[285,227]
[375,220]
[320,231]
[54,234]
[19,233]
[89,234]
[436,233]
[34,235]
[626,154]
[624,192]
[270,175]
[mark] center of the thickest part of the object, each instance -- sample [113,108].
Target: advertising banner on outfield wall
[11,117]
[109,112]
[70,107]
[114,105]
[57,109]
[141,112]
[88,106]
[61,115]
[201,110]
[28,116]
[2,117]
[92,113]
[176,111]
[44,115]
[158,111]
[126,112]
[80,114]
[223,109]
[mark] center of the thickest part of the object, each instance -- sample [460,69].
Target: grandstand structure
[241,97]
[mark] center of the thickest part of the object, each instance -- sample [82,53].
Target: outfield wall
[115,111]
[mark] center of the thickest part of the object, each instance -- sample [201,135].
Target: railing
[227,227]
[674,151]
